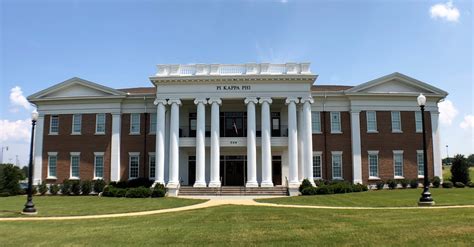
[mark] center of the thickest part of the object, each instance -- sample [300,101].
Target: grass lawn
[447,173]
[252,225]
[382,198]
[87,205]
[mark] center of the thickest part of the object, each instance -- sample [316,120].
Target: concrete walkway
[219,201]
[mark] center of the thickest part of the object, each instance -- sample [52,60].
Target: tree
[470,159]
[10,176]
[25,171]
[460,169]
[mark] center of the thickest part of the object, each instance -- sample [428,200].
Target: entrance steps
[233,191]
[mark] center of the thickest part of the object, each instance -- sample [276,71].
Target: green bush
[43,188]
[54,189]
[99,185]
[380,184]
[308,191]
[111,191]
[107,192]
[460,170]
[10,176]
[4,194]
[392,184]
[34,190]
[436,181]
[158,191]
[359,187]
[139,192]
[459,185]
[414,183]
[76,187]
[404,183]
[447,184]
[305,184]
[66,187]
[341,187]
[470,184]
[319,182]
[86,187]
[140,182]
[324,190]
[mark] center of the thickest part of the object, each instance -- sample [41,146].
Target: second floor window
[418,122]
[335,122]
[100,123]
[316,122]
[135,123]
[371,121]
[153,123]
[54,125]
[76,123]
[396,122]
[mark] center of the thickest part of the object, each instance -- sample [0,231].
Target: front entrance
[233,170]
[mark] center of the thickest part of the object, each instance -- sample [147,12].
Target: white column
[160,141]
[266,143]
[38,150]
[174,144]
[251,143]
[292,142]
[115,153]
[307,138]
[438,169]
[301,169]
[215,145]
[356,149]
[200,145]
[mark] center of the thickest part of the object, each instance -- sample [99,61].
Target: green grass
[87,205]
[251,225]
[447,173]
[382,198]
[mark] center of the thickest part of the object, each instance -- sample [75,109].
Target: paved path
[219,201]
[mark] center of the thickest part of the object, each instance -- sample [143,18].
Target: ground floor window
[151,163]
[52,161]
[374,164]
[420,162]
[317,169]
[398,163]
[337,165]
[133,164]
[98,165]
[75,160]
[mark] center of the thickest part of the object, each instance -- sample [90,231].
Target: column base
[266,184]
[215,184]
[172,192]
[294,184]
[293,191]
[251,184]
[200,184]
[172,185]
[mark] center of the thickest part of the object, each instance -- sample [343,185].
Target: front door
[276,170]
[234,170]
[191,170]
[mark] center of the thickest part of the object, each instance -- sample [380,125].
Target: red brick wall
[87,143]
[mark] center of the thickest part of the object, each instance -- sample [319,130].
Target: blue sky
[118,44]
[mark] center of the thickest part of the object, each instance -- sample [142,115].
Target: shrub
[34,189]
[99,185]
[436,181]
[86,187]
[459,185]
[404,183]
[4,194]
[414,183]
[139,192]
[308,191]
[66,187]
[460,170]
[76,187]
[10,176]
[140,182]
[379,185]
[359,188]
[305,184]
[341,187]
[158,191]
[470,184]
[106,191]
[120,184]
[54,189]
[324,190]
[447,184]
[43,188]
[392,184]
[319,182]
[111,191]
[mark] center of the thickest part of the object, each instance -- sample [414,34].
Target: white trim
[131,123]
[80,124]
[95,165]
[130,155]
[331,122]
[367,122]
[339,153]
[55,154]
[97,121]
[51,124]
[320,154]
[71,155]
[376,153]
[399,121]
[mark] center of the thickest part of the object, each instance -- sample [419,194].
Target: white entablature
[165,70]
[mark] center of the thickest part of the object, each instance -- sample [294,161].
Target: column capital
[291,99]
[174,101]
[251,99]
[160,101]
[355,111]
[200,100]
[307,99]
[215,100]
[265,99]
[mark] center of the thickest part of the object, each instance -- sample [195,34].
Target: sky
[119,44]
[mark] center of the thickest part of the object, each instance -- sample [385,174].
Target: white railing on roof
[233,69]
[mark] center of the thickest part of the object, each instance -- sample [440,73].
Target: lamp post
[425,199]
[29,205]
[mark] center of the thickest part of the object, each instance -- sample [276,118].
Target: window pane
[275,124]
[100,123]
[371,121]
[99,166]
[153,123]
[316,122]
[76,125]
[133,166]
[373,165]
[54,124]
[75,166]
[335,122]
[418,122]
[152,166]
[396,125]
[398,160]
[193,123]
[52,166]
[135,123]
[317,166]
[419,158]
[336,166]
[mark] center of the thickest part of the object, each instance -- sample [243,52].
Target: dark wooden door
[191,170]
[234,173]
[276,170]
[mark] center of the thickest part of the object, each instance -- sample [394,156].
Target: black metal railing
[186,131]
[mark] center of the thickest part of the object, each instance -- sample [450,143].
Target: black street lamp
[29,205]
[425,199]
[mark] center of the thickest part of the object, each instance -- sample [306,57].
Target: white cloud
[447,112]
[445,11]
[18,100]
[468,122]
[11,131]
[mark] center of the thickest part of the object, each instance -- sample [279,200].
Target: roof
[331,88]
[139,90]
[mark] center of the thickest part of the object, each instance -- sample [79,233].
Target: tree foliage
[10,176]
[460,170]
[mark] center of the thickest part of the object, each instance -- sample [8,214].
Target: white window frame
[131,123]
[152,123]
[399,121]
[376,154]
[333,154]
[74,116]
[51,132]
[316,120]
[418,122]
[333,130]
[99,154]
[72,155]
[51,154]
[367,113]
[151,157]
[130,155]
[320,155]
[97,123]
[395,153]
[418,154]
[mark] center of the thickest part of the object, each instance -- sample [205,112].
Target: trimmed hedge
[134,183]
[76,187]
[380,184]
[414,183]
[305,184]
[86,187]
[436,181]
[392,184]
[139,192]
[54,189]
[99,185]
[332,187]
[470,184]
[65,187]
[459,185]
[404,183]
[158,191]
[43,188]
[447,184]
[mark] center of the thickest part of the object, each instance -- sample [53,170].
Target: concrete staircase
[233,191]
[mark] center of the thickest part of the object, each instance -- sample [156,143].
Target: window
[420,162]
[373,164]
[52,162]
[54,125]
[335,122]
[151,163]
[398,163]
[418,122]
[133,164]
[371,121]
[75,165]
[337,165]
[98,165]
[135,123]
[317,172]
[396,122]
[100,123]
[76,123]
[153,123]
[316,122]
